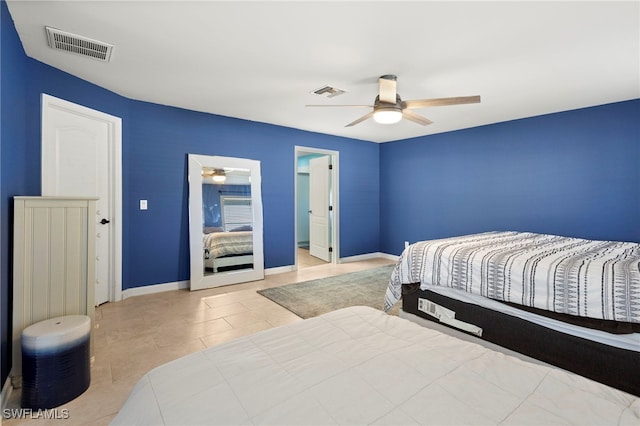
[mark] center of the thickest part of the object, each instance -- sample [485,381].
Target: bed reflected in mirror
[225,221]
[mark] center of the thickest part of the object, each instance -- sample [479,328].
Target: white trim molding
[154,288]
[182,285]
[369,256]
[280,270]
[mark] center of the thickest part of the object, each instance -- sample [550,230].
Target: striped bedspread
[596,279]
[219,244]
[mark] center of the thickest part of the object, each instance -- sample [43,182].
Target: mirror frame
[199,280]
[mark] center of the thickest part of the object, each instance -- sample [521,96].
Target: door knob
[104,221]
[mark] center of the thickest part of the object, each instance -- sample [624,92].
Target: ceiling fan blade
[350,106]
[388,86]
[361,119]
[412,116]
[423,103]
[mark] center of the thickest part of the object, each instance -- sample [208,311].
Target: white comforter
[361,366]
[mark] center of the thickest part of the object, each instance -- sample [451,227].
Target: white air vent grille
[328,92]
[61,40]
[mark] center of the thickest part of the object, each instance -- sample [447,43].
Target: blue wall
[574,173]
[23,80]
[159,140]
[13,161]
[211,204]
[156,140]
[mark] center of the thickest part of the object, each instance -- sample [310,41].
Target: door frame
[114,125]
[334,222]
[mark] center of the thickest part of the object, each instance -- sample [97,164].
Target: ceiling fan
[217,175]
[389,108]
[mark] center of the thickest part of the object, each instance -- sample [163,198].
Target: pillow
[210,229]
[243,228]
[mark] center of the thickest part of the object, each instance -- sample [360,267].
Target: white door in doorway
[319,214]
[81,157]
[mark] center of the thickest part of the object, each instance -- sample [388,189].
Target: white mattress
[629,341]
[360,366]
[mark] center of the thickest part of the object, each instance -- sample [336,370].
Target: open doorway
[316,200]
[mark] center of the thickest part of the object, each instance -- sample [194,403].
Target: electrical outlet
[143,204]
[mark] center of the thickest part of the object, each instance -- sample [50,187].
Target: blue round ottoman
[55,361]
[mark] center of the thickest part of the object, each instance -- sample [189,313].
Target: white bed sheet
[360,366]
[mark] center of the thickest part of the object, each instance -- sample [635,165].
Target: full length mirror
[225,221]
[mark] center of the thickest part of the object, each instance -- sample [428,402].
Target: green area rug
[312,298]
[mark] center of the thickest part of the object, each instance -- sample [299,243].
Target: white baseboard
[368,256]
[6,393]
[180,285]
[155,288]
[279,270]
[389,256]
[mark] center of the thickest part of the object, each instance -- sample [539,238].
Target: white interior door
[319,214]
[78,159]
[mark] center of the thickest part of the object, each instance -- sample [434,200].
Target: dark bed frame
[615,367]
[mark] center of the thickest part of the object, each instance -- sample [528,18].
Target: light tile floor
[140,333]
[305,259]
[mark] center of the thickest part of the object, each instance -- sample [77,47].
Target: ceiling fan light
[219,178]
[387,116]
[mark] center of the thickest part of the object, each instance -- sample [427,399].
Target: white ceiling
[260,60]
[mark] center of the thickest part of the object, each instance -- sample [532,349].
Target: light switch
[143,204]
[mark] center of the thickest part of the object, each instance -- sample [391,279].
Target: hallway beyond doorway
[305,260]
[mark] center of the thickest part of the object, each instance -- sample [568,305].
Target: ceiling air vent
[62,40]
[328,92]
